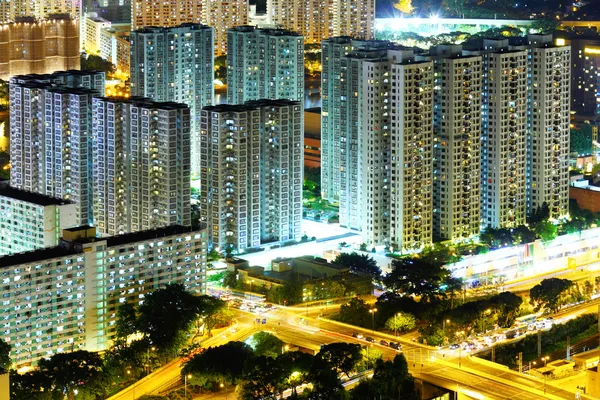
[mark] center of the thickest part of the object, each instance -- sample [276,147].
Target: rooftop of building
[143,102]
[268,31]
[33,20]
[30,197]
[65,248]
[161,29]
[50,78]
[250,105]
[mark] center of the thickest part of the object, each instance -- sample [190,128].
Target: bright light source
[434,18]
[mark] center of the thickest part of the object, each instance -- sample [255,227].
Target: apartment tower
[141,165]
[175,65]
[457,143]
[264,64]
[251,180]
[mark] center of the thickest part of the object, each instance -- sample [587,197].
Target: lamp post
[185,378]
[223,386]
[444,322]
[545,372]
[372,311]
[306,299]
[530,365]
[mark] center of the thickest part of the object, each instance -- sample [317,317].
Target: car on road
[370,339]
[383,343]
[454,346]
[395,345]
[357,335]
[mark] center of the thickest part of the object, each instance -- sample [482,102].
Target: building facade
[251,180]
[223,15]
[65,298]
[176,65]
[38,46]
[141,165]
[504,131]
[30,221]
[457,143]
[264,64]
[317,20]
[50,136]
[548,158]
[11,11]
[148,13]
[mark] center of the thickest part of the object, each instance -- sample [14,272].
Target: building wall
[504,123]
[457,147]
[155,13]
[139,187]
[411,155]
[223,15]
[264,64]
[551,67]
[586,199]
[39,46]
[69,301]
[11,10]
[175,64]
[94,28]
[312,152]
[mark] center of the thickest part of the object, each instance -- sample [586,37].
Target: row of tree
[264,371]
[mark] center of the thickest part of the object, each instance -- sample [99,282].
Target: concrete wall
[586,199]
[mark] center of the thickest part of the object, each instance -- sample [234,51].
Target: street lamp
[530,365]
[223,386]
[307,298]
[444,322]
[545,371]
[372,311]
[185,378]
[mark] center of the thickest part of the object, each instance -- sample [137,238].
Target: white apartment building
[141,165]
[13,9]
[30,221]
[175,64]
[548,158]
[333,50]
[147,13]
[251,181]
[92,32]
[457,143]
[50,137]
[230,176]
[318,20]
[411,201]
[65,298]
[504,129]
[264,64]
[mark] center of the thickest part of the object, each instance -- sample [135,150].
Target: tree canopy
[359,264]
[342,357]
[416,277]
[266,344]
[218,364]
[4,356]
[547,293]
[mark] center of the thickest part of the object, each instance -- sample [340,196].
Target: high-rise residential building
[141,165]
[92,33]
[548,152]
[264,64]
[31,46]
[251,180]
[148,13]
[411,201]
[175,64]
[317,20]
[377,140]
[11,10]
[220,15]
[457,143]
[65,298]
[30,221]
[50,136]
[504,129]
[332,52]
[223,15]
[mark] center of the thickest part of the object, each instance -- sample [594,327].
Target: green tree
[355,312]
[4,100]
[166,316]
[341,357]
[4,356]
[265,378]
[218,364]
[297,366]
[539,214]
[230,280]
[546,230]
[412,276]
[266,344]
[507,306]
[209,310]
[390,381]
[79,370]
[544,25]
[401,322]
[359,264]
[547,293]
[91,62]
[370,355]
[126,323]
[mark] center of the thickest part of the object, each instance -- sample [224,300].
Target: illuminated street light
[372,311]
